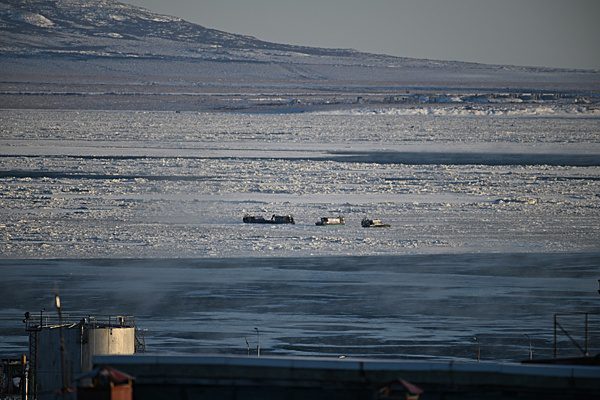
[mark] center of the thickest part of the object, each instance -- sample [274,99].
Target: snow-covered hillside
[56,53]
[110,28]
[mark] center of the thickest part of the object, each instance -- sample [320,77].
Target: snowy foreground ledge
[281,377]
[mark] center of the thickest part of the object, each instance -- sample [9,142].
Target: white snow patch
[160,18]
[117,17]
[542,110]
[35,19]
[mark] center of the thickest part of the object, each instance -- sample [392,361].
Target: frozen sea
[494,213]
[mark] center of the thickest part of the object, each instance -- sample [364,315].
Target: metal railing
[579,328]
[49,320]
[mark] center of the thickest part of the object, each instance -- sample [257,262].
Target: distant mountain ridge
[108,27]
[105,42]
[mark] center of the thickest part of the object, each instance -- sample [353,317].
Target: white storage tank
[82,341]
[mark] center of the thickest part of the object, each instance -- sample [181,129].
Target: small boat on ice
[373,223]
[275,219]
[339,220]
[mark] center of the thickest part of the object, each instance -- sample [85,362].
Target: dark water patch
[467,158]
[20,174]
[371,157]
[405,179]
[384,306]
[567,178]
[498,264]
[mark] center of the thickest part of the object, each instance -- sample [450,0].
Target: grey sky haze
[553,33]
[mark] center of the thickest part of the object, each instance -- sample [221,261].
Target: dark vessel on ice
[275,219]
[373,223]
[331,221]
